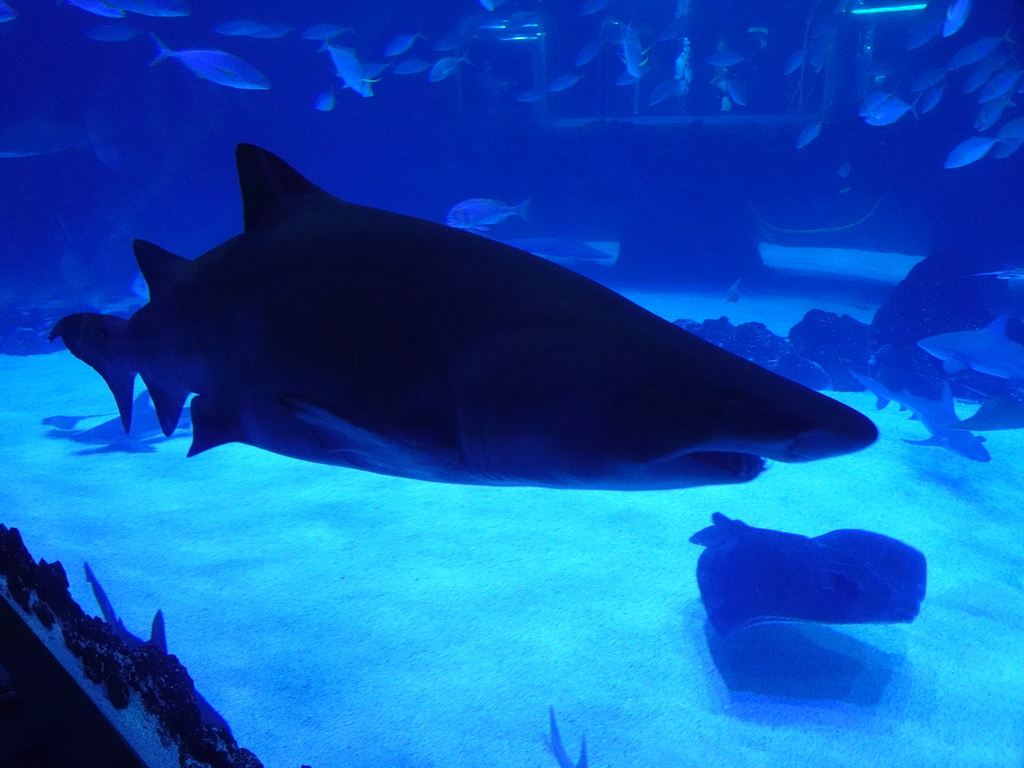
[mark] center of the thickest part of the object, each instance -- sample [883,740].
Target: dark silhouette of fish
[347,335]
[157,639]
[751,575]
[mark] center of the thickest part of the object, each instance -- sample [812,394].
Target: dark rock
[754,342]
[838,343]
[938,296]
[160,680]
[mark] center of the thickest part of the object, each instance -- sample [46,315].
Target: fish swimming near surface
[346,335]
[986,351]
[214,65]
[479,213]
[937,416]
[749,576]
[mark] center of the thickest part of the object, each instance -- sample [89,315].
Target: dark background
[149,149]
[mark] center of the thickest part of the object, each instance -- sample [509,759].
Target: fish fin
[101,341]
[951,366]
[157,633]
[160,268]
[997,327]
[929,441]
[168,403]
[162,51]
[106,609]
[210,428]
[722,531]
[270,187]
[522,209]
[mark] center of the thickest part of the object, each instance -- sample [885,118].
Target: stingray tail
[102,342]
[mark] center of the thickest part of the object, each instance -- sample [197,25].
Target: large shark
[352,336]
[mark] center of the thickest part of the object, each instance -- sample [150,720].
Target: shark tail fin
[101,341]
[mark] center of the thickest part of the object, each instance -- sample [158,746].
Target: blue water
[98,148]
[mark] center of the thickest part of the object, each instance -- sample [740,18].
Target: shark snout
[852,433]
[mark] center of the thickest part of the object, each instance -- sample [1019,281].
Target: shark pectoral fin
[211,425]
[929,441]
[360,446]
[168,403]
[101,342]
[375,450]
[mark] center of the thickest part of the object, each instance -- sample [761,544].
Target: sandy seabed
[343,619]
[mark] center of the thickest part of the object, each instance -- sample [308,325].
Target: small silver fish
[98,8]
[1001,85]
[968,151]
[410,67]
[401,44]
[479,213]
[808,134]
[956,15]
[214,65]
[157,8]
[588,53]
[725,58]
[445,68]
[324,101]
[563,82]
[323,32]
[989,114]
[973,53]
[352,72]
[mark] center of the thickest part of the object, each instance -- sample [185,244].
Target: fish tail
[522,209]
[102,342]
[162,51]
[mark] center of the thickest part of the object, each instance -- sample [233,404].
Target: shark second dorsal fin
[270,187]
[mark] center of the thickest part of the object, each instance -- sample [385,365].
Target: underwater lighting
[889,9]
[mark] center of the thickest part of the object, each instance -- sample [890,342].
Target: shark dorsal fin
[271,188]
[160,268]
[997,327]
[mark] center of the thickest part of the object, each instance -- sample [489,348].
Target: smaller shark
[986,351]
[938,417]
[157,638]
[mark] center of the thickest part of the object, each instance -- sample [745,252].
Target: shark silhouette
[352,336]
